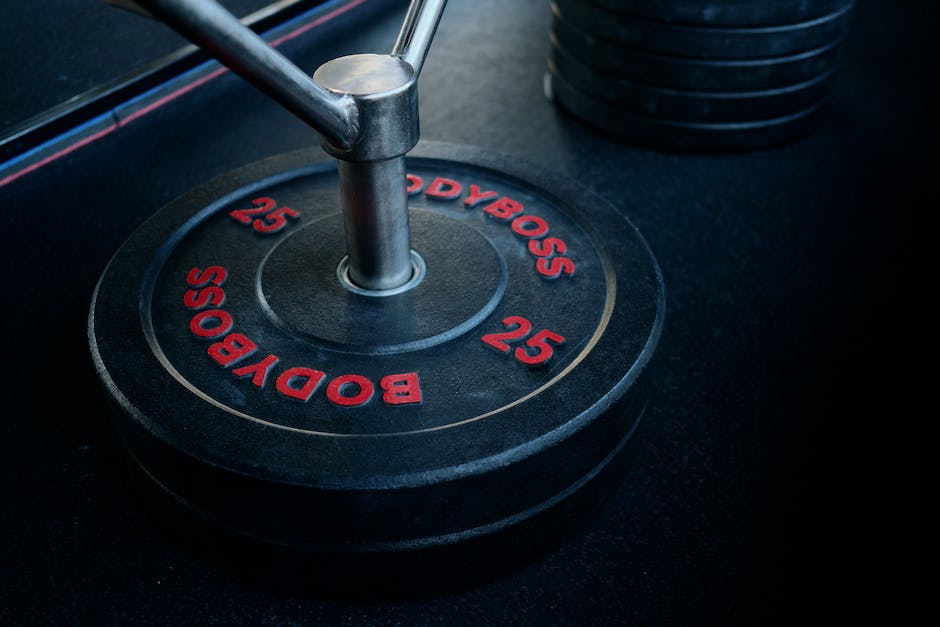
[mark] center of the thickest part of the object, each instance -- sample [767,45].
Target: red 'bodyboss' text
[298,382]
[549,252]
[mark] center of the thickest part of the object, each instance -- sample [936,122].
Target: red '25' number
[273,220]
[540,348]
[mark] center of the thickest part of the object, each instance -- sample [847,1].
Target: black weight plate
[695,106]
[700,42]
[254,388]
[694,74]
[674,134]
[722,12]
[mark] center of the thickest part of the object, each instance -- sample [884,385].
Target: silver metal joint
[385,92]
[364,106]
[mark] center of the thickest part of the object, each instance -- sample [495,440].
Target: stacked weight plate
[696,74]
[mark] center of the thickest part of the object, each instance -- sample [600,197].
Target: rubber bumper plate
[254,384]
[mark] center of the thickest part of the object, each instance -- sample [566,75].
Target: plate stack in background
[696,74]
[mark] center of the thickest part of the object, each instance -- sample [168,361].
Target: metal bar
[375,208]
[414,39]
[210,26]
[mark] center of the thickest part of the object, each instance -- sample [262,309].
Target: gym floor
[753,493]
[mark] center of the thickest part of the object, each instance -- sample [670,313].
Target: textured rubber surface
[694,74]
[722,12]
[677,104]
[699,42]
[680,135]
